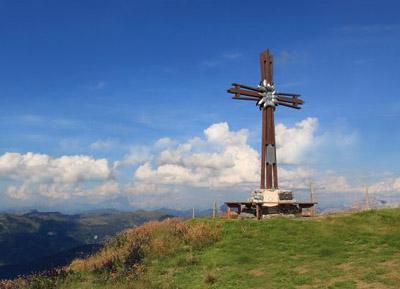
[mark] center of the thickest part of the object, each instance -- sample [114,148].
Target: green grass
[360,250]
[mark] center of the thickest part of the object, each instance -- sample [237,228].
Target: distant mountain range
[37,241]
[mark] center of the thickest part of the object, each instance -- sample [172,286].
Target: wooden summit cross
[267,99]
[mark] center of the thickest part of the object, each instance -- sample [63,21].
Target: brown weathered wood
[264,75]
[289,105]
[263,60]
[228,213]
[290,99]
[274,166]
[263,141]
[270,140]
[244,92]
[248,87]
[258,211]
[244,98]
[288,94]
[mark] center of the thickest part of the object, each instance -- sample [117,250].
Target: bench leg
[258,211]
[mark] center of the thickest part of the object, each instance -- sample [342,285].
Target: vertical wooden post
[269,171]
[263,147]
[366,198]
[270,140]
[214,210]
[274,165]
[313,210]
[263,75]
[258,211]
[228,213]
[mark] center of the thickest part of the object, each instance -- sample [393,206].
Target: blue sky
[104,79]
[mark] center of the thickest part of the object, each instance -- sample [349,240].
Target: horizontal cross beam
[256,96]
[244,98]
[294,100]
[247,87]
[238,91]
[246,92]
[287,94]
[291,105]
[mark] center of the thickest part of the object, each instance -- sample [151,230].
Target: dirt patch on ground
[256,272]
[301,269]
[304,287]
[345,267]
[365,285]
[392,264]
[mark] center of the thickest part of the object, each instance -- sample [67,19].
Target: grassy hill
[358,250]
[38,241]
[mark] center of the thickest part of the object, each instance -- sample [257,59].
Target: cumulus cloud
[18,192]
[331,182]
[164,142]
[387,185]
[40,167]
[219,162]
[293,143]
[136,155]
[220,158]
[39,173]
[295,178]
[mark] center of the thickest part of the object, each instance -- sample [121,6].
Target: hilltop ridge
[351,250]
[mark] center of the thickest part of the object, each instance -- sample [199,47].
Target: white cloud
[106,189]
[219,134]
[61,191]
[164,142]
[65,191]
[293,143]
[333,183]
[387,185]
[221,158]
[137,155]
[39,173]
[220,163]
[20,193]
[396,184]
[295,178]
[40,167]
[145,189]
[167,174]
